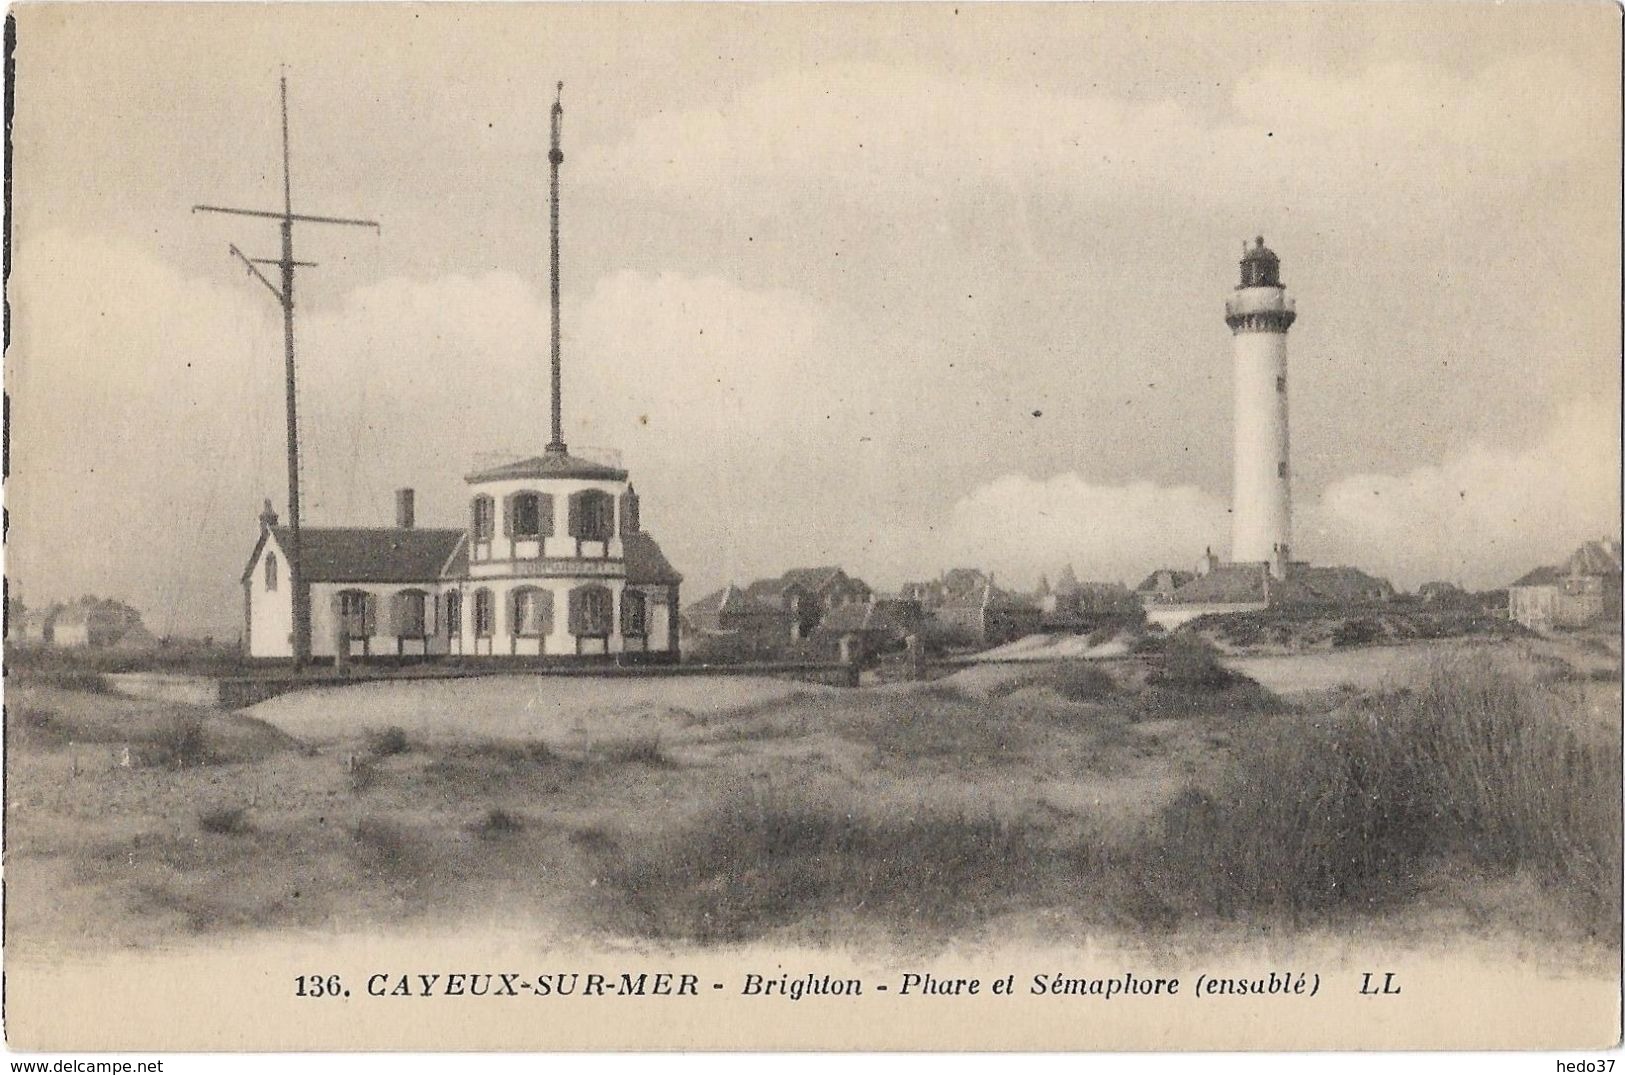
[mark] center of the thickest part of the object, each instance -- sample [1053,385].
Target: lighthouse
[1259,312]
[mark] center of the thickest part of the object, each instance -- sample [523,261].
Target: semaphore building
[553,562]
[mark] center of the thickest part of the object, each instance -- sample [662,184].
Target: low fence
[239,691]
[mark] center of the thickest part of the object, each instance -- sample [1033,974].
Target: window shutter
[578,624]
[515,600]
[575,527]
[544,506]
[369,614]
[507,515]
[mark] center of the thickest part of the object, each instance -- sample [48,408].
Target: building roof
[368,554]
[1250,583]
[1176,578]
[645,563]
[550,465]
[1541,576]
[1226,584]
[1339,585]
[883,614]
[712,603]
[1595,558]
[812,578]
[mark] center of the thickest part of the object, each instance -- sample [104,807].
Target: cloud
[1390,131]
[1481,517]
[1484,516]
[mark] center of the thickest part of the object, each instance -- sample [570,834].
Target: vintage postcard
[812,527]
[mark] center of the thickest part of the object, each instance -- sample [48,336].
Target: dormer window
[270,571]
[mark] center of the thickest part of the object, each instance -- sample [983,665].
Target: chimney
[267,516]
[403,509]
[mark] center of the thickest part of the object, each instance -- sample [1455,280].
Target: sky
[895,287]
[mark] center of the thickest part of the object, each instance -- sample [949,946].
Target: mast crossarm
[253,271]
[304,218]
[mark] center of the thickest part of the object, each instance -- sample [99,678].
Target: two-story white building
[553,563]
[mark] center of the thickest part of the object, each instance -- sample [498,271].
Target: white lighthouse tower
[1259,314]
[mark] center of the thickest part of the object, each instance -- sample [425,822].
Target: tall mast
[284,296]
[555,158]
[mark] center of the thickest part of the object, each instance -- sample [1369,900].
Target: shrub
[385,842]
[225,820]
[1079,681]
[497,822]
[1151,644]
[180,742]
[384,742]
[1363,632]
[38,724]
[1189,662]
[363,774]
[638,750]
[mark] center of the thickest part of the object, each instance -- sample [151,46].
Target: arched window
[270,571]
[454,612]
[634,617]
[357,611]
[592,610]
[592,515]
[484,614]
[530,612]
[408,613]
[530,515]
[483,522]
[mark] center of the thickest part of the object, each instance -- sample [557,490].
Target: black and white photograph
[803,527]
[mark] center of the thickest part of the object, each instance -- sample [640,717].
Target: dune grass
[1317,817]
[760,860]
[1348,810]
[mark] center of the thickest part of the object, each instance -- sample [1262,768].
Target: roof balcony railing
[1274,302]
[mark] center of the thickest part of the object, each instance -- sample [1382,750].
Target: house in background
[990,616]
[1074,605]
[784,609]
[93,623]
[1582,591]
[875,626]
[1159,586]
[87,623]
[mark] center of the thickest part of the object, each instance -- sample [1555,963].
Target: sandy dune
[553,709]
